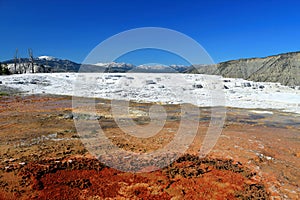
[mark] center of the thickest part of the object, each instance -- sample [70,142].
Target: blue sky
[226,29]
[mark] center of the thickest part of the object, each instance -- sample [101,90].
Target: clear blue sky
[227,29]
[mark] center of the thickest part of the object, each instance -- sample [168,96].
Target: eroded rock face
[282,68]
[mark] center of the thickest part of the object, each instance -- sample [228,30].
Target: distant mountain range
[282,68]
[48,64]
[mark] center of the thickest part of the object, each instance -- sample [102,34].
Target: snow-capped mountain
[158,68]
[115,64]
[106,67]
[49,58]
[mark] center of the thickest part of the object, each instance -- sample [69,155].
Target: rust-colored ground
[42,156]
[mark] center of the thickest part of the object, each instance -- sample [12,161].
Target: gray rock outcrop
[282,68]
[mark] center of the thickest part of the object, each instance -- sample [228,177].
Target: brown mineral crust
[42,156]
[85,179]
[189,178]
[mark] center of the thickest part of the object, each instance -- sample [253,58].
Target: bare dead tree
[47,64]
[20,69]
[31,60]
[22,66]
[15,61]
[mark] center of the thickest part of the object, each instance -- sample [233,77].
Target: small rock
[198,86]
[19,82]
[247,85]
[68,116]
[149,82]
[8,169]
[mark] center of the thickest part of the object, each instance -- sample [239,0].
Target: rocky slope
[282,68]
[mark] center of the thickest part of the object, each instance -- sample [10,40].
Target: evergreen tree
[1,69]
[4,69]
